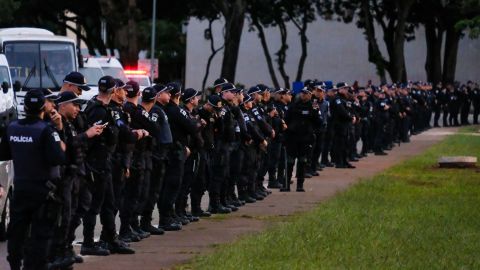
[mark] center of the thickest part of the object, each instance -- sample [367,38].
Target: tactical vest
[31,170]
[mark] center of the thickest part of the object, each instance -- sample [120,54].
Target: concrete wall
[336,51]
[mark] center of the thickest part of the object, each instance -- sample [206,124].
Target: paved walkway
[173,248]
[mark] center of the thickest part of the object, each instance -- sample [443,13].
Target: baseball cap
[149,94]
[215,101]
[176,88]
[247,98]
[220,82]
[68,96]
[76,78]
[48,94]
[229,87]
[132,88]
[162,88]
[253,90]
[120,83]
[106,84]
[190,93]
[34,101]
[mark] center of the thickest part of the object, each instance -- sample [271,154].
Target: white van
[7,114]
[93,72]
[38,59]
[112,67]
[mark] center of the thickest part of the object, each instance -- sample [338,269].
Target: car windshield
[92,75]
[40,64]
[142,81]
[115,72]
[4,75]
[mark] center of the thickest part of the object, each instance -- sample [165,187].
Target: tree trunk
[374,54]
[234,19]
[397,70]
[282,53]
[210,58]
[450,57]
[433,63]
[303,41]
[266,51]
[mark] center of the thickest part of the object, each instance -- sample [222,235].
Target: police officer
[99,164]
[475,101]
[138,181]
[320,128]
[190,98]
[164,140]
[300,119]
[209,112]
[342,119]
[224,137]
[69,107]
[182,126]
[37,151]
[247,185]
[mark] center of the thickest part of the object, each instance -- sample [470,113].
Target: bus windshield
[37,64]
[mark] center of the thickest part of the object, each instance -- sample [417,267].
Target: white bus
[37,58]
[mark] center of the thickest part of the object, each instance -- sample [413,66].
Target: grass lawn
[471,128]
[412,216]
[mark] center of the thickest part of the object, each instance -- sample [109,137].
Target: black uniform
[342,120]
[301,119]
[35,149]
[475,96]
[99,164]
[164,140]
[182,127]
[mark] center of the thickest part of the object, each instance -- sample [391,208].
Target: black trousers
[317,148]
[274,155]
[157,178]
[296,150]
[220,168]
[103,203]
[189,176]
[476,112]
[379,135]
[203,179]
[465,111]
[60,243]
[172,181]
[237,156]
[30,215]
[81,200]
[340,144]
[248,172]
[328,143]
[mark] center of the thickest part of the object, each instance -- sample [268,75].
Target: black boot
[146,226]
[300,185]
[216,207]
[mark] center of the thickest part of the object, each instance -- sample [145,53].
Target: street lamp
[152,52]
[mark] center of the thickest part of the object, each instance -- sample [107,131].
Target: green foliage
[412,216]
[8,10]
[472,26]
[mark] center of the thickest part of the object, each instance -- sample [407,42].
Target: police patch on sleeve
[56,137]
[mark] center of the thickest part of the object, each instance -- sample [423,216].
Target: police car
[139,76]
[7,114]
